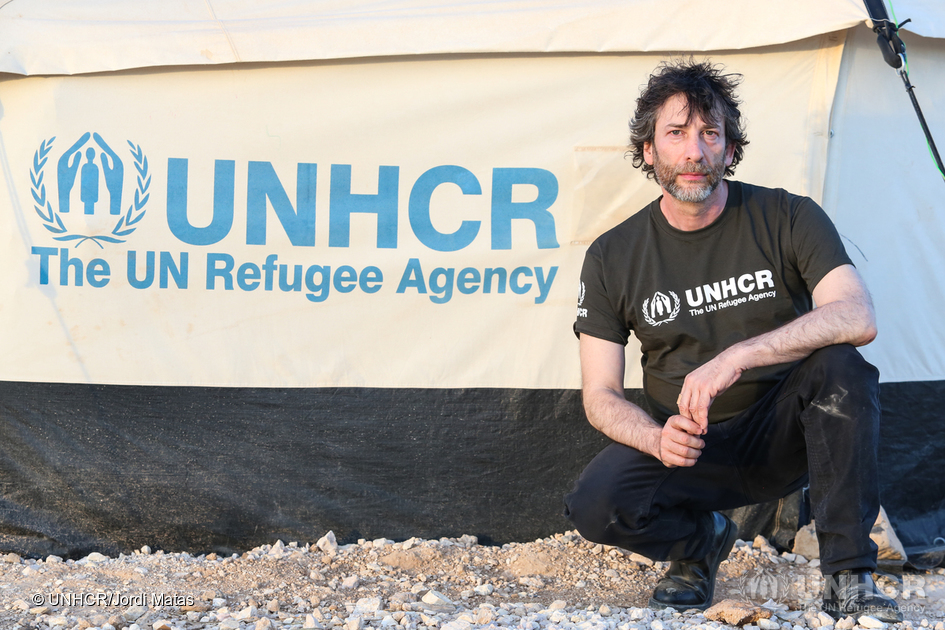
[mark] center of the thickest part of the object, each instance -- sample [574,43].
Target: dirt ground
[455,584]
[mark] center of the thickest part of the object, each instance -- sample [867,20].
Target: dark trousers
[820,426]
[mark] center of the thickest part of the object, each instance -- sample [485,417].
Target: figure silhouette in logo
[89,187]
[114,174]
[67,170]
[660,302]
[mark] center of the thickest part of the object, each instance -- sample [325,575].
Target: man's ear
[729,153]
[648,153]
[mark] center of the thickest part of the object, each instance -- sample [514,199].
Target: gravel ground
[452,584]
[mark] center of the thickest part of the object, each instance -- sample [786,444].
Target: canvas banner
[382,223]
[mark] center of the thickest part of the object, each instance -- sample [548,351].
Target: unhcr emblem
[79,175]
[660,309]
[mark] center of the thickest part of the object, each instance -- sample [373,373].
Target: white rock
[457,624]
[825,619]
[218,602]
[768,624]
[57,621]
[95,557]
[328,543]
[485,616]
[604,610]
[657,625]
[435,598]
[278,549]
[351,581]
[229,624]
[871,622]
[246,613]
[484,589]
[354,623]
[367,605]
[162,624]
[309,619]
[381,542]
[134,613]
[846,623]
[263,624]
[558,604]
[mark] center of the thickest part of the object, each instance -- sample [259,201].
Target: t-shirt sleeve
[596,315]
[816,242]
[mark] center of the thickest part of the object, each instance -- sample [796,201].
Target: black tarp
[111,468]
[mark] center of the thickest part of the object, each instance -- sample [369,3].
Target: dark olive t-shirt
[689,295]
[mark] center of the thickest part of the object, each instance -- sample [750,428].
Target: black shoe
[853,593]
[691,583]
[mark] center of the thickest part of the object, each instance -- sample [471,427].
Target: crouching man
[754,393]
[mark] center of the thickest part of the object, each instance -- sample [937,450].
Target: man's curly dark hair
[710,95]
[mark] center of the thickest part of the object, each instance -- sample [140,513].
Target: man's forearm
[834,323]
[622,421]
[847,320]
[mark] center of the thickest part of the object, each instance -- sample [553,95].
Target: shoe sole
[731,534]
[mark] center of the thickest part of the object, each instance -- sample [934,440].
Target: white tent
[397,196]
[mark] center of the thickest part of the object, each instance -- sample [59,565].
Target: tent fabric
[561,119]
[60,37]
[885,195]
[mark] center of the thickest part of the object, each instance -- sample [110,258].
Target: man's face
[688,158]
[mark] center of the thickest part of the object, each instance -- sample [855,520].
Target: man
[753,392]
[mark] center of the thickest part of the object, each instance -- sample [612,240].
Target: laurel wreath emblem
[672,316]
[51,219]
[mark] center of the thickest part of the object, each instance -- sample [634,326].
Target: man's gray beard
[666,177]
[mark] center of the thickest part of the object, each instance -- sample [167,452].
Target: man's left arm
[844,314]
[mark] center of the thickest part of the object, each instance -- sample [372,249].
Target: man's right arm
[602,373]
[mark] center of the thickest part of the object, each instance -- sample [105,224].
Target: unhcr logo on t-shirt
[659,309]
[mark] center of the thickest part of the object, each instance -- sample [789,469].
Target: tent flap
[55,37]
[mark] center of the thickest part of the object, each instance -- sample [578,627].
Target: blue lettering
[65,263]
[544,286]
[247,276]
[371,279]
[97,273]
[413,277]
[283,277]
[263,184]
[468,280]
[343,203]
[499,273]
[225,272]
[168,266]
[319,291]
[346,279]
[223,196]
[132,271]
[444,290]
[44,253]
[504,210]
[513,280]
[419,208]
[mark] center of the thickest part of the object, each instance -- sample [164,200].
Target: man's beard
[691,193]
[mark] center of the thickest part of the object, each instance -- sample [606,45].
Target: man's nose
[694,148]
